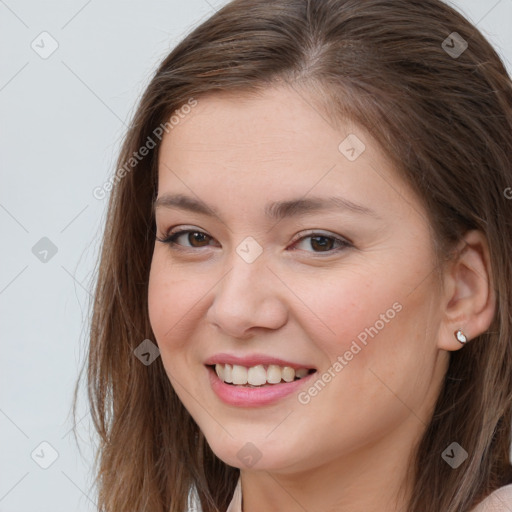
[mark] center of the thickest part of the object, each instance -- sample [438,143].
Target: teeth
[228,373]
[258,375]
[274,374]
[239,374]
[301,372]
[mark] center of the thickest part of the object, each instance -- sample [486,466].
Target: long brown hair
[444,119]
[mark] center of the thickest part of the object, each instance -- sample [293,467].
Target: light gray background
[62,119]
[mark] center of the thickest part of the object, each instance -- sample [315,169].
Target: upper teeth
[258,375]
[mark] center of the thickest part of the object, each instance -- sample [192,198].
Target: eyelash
[172,236]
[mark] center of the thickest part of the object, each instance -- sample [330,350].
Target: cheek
[380,357]
[171,301]
[375,324]
[347,308]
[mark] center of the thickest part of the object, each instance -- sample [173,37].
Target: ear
[468,301]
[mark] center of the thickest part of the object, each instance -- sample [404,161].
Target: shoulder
[498,501]
[236,502]
[193,502]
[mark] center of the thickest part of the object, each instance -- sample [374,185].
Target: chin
[253,455]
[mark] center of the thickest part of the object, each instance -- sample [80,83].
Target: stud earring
[460,336]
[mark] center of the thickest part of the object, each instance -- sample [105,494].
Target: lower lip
[253,397]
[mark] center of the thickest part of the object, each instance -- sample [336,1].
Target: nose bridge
[248,264]
[243,280]
[247,297]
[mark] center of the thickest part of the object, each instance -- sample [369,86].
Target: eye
[189,239]
[194,237]
[322,243]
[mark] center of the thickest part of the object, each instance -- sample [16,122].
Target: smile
[259,375]
[256,395]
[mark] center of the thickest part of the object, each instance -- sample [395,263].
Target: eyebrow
[276,210]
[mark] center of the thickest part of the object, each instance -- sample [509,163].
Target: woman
[303,299]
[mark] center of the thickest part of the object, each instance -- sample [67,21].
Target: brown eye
[197,239]
[187,239]
[320,243]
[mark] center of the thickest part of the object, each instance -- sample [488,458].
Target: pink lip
[252,360]
[253,397]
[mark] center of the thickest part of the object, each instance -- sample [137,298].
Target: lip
[253,360]
[254,397]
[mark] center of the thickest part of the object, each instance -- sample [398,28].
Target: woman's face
[338,279]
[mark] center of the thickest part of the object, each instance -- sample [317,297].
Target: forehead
[275,121]
[275,144]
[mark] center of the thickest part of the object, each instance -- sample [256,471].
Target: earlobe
[468,299]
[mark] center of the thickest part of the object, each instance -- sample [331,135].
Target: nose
[249,298]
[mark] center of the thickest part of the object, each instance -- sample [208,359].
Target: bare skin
[306,298]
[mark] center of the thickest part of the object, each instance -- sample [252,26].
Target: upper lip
[252,360]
